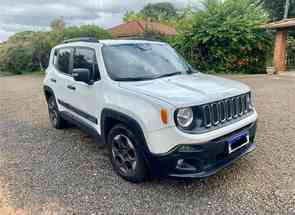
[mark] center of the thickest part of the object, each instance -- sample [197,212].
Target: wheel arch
[110,117]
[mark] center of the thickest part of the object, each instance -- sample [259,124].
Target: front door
[87,97]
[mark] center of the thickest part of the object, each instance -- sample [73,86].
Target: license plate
[237,141]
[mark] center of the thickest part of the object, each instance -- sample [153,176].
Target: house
[280,49]
[135,29]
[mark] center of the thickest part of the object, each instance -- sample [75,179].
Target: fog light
[179,163]
[182,165]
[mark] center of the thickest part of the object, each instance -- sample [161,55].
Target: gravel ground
[48,171]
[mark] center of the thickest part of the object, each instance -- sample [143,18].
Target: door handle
[53,80]
[71,87]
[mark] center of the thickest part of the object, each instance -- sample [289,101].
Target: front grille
[220,112]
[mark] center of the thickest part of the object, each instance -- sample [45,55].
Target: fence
[290,55]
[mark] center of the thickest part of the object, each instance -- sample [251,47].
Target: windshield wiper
[148,78]
[191,70]
[168,75]
[133,79]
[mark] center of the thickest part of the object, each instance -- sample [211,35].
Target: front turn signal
[164,116]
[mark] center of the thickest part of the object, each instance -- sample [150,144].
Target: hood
[188,90]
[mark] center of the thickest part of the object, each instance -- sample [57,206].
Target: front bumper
[206,160]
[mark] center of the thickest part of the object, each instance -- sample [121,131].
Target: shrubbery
[226,36]
[29,51]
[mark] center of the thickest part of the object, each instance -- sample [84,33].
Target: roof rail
[82,39]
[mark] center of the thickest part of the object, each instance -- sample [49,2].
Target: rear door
[63,67]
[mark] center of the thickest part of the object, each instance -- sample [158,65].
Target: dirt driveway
[48,171]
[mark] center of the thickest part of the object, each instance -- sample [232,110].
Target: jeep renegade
[155,113]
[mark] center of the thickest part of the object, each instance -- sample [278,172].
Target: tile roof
[134,28]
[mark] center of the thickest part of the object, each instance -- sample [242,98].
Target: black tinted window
[85,59]
[63,60]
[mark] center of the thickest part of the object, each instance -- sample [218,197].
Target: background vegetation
[221,36]
[276,8]
[29,51]
[164,12]
[226,36]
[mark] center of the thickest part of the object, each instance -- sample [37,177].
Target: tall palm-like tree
[287,6]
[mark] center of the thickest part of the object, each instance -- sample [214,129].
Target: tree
[158,12]
[183,20]
[287,7]
[29,51]
[58,24]
[41,46]
[226,36]
[86,31]
[132,16]
[276,8]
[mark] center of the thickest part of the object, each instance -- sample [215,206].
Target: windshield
[143,61]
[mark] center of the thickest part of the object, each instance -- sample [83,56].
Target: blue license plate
[237,141]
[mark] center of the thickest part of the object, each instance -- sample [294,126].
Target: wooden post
[280,51]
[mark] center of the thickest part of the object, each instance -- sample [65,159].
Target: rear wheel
[125,154]
[56,120]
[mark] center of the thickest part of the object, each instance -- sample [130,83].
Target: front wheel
[125,154]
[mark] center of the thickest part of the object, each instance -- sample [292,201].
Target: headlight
[184,117]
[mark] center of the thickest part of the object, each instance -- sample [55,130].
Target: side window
[63,59]
[84,58]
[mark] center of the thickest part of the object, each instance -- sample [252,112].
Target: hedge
[226,37]
[27,52]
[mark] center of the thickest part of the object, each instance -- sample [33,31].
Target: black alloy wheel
[126,155]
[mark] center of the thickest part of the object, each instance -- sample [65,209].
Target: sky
[36,15]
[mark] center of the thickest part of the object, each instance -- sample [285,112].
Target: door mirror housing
[82,75]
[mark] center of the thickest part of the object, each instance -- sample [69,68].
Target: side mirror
[82,75]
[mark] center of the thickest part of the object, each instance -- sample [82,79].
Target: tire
[56,120]
[126,156]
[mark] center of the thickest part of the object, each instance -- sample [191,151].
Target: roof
[285,23]
[104,42]
[118,42]
[134,28]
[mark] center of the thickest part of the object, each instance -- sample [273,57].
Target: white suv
[155,113]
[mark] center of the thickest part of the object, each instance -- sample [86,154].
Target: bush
[150,34]
[226,37]
[85,31]
[20,57]
[27,52]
